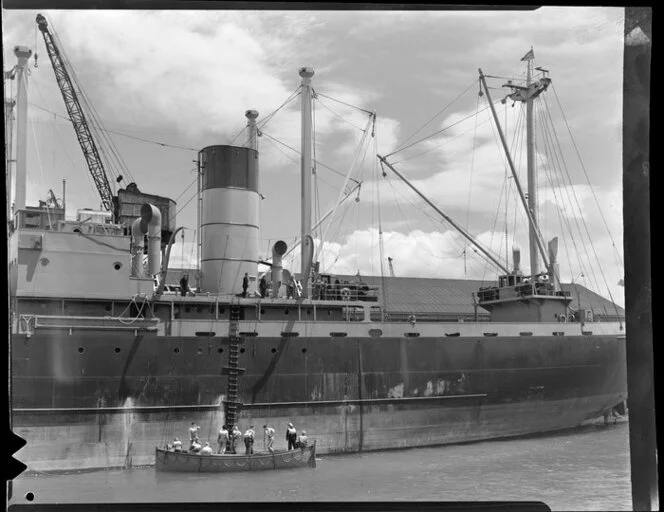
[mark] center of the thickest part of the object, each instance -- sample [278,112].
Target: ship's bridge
[524,298]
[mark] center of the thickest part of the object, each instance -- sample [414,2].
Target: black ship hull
[105,399]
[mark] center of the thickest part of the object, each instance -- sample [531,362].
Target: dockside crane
[77,116]
[124,206]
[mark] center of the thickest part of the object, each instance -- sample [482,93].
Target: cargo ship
[105,364]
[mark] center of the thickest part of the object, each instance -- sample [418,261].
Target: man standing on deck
[269,432]
[263,286]
[291,436]
[193,431]
[245,284]
[184,285]
[222,440]
[249,440]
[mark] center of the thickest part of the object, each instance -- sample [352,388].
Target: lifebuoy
[345,294]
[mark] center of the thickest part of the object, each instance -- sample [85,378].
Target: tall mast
[251,116]
[22,53]
[532,171]
[9,143]
[521,95]
[307,246]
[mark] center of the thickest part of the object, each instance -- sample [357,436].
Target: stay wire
[436,133]
[344,103]
[585,173]
[435,116]
[552,134]
[339,116]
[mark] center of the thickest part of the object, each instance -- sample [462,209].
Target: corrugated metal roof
[443,296]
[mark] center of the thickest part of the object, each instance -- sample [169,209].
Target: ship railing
[345,291]
[400,316]
[28,324]
[493,293]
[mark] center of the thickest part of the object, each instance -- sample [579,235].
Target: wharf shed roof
[455,296]
[421,295]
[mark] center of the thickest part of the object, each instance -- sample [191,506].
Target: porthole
[274,350]
[107,307]
[262,311]
[220,350]
[199,351]
[176,350]
[117,265]
[80,350]
[286,311]
[198,309]
[117,350]
[44,261]
[308,312]
[242,351]
[304,350]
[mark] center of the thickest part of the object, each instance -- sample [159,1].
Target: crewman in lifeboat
[249,436]
[302,440]
[193,431]
[222,440]
[177,445]
[206,450]
[291,436]
[195,446]
[269,432]
[235,435]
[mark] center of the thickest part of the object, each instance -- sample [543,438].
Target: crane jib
[77,117]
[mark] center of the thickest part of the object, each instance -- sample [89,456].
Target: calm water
[587,469]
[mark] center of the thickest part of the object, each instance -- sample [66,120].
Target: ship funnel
[229,217]
[516,257]
[278,250]
[138,231]
[151,216]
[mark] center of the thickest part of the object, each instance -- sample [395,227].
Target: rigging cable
[559,157]
[434,133]
[296,151]
[585,173]
[269,117]
[339,116]
[344,103]
[557,177]
[592,245]
[435,116]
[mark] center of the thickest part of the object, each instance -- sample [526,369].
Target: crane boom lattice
[77,116]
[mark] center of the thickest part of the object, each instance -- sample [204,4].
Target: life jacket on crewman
[177,445]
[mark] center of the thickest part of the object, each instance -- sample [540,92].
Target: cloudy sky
[185,79]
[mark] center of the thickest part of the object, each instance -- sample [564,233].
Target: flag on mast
[529,56]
